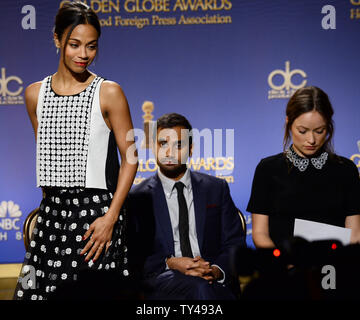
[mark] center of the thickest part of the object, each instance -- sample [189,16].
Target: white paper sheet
[312,231]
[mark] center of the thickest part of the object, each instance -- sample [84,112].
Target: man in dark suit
[184,224]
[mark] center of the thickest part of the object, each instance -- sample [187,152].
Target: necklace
[303,163]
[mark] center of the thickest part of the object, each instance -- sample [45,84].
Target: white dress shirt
[173,206]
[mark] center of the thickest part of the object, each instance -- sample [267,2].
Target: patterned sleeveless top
[74,144]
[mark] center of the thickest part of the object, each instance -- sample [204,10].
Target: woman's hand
[100,233]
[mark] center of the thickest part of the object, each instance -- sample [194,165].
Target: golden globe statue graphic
[148,108]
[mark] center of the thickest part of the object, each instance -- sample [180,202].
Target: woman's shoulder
[343,163]
[112,96]
[33,87]
[111,87]
[32,93]
[272,161]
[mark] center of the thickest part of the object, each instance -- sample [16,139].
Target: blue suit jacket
[218,224]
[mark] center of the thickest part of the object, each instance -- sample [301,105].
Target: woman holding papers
[307,180]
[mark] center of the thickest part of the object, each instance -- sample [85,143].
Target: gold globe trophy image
[148,108]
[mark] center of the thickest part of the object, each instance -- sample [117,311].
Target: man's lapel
[161,211]
[199,196]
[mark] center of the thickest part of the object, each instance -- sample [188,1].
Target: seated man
[184,223]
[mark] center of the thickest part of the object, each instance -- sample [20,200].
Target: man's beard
[174,172]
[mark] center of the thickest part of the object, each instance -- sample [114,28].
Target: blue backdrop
[224,64]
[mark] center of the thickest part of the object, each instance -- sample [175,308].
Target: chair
[28,227]
[243,221]
[242,281]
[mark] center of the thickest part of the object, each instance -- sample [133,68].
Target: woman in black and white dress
[79,120]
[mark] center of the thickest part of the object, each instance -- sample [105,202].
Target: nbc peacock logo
[10,214]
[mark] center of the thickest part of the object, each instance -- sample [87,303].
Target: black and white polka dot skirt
[53,257]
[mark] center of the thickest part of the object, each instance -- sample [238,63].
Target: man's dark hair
[171,120]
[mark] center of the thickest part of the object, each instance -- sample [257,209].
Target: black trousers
[173,285]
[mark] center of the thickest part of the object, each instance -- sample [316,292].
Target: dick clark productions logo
[10,93]
[287,87]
